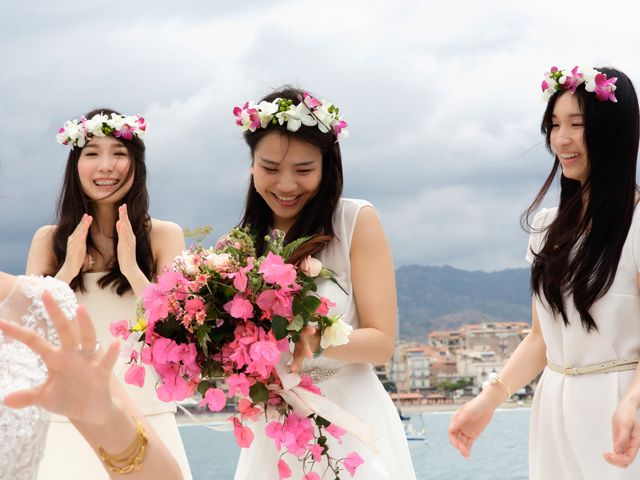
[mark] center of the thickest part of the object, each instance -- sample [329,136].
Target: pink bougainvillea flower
[276,302]
[248,411]
[264,355]
[244,435]
[311,476]
[316,451]
[239,307]
[194,305]
[214,399]
[325,305]
[306,382]
[283,470]
[120,329]
[135,375]
[239,381]
[336,432]
[605,88]
[275,271]
[352,462]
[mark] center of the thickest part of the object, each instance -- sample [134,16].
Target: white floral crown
[310,112]
[78,131]
[595,81]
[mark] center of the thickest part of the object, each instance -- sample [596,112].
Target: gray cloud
[442,98]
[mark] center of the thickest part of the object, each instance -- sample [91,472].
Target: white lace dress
[23,431]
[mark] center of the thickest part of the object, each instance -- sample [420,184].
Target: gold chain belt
[604,367]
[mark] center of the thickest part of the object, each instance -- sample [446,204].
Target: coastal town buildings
[451,361]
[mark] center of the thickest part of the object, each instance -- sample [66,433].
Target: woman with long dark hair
[295,187]
[585,255]
[107,248]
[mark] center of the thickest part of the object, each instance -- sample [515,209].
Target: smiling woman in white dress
[585,336]
[295,187]
[107,248]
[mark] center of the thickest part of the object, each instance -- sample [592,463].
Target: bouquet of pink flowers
[224,315]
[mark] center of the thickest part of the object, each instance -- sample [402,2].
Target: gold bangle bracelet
[130,459]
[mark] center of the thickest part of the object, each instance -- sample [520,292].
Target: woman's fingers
[23,398]
[108,361]
[28,337]
[86,329]
[66,335]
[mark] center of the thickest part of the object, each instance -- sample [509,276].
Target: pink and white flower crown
[594,80]
[77,132]
[310,112]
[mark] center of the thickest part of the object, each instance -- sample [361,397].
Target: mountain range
[443,298]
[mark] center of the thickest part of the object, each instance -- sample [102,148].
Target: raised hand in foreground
[80,386]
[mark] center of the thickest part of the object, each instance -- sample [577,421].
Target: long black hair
[583,244]
[316,217]
[73,203]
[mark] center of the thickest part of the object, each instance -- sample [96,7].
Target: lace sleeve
[23,432]
[36,316]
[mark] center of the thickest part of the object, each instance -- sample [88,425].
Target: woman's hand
[126,244]
[470,421]
[626,435]
[78,381]
[305,347]
[76,256]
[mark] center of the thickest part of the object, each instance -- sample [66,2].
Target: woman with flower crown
[295,187]
[585,255]
[107,248]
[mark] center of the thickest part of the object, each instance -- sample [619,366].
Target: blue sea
[499,454]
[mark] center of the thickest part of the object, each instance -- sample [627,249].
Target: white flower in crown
[77,133]
[116,121]
[594,81]
[296,116]
[266,112]
[71,133]
[93,125]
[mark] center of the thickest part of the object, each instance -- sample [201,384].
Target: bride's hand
[305,347]
[469,422]
[78,380]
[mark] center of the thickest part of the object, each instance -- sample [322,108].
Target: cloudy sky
[442,99]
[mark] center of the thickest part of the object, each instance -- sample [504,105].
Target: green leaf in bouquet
[259,393]
[171,328]
[279,326]
[306,306]
[289,248]
[203,386]
[203,338]
[296,324]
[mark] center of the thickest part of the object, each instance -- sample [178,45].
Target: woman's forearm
[525,364]
[119,431]
[366,345]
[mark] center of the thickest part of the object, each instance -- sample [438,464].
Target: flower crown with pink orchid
[595,81]
[310,112]
[78,131]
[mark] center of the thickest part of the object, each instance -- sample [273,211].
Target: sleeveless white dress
[571,415]
[67,455]
[355,387]
[23,431]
